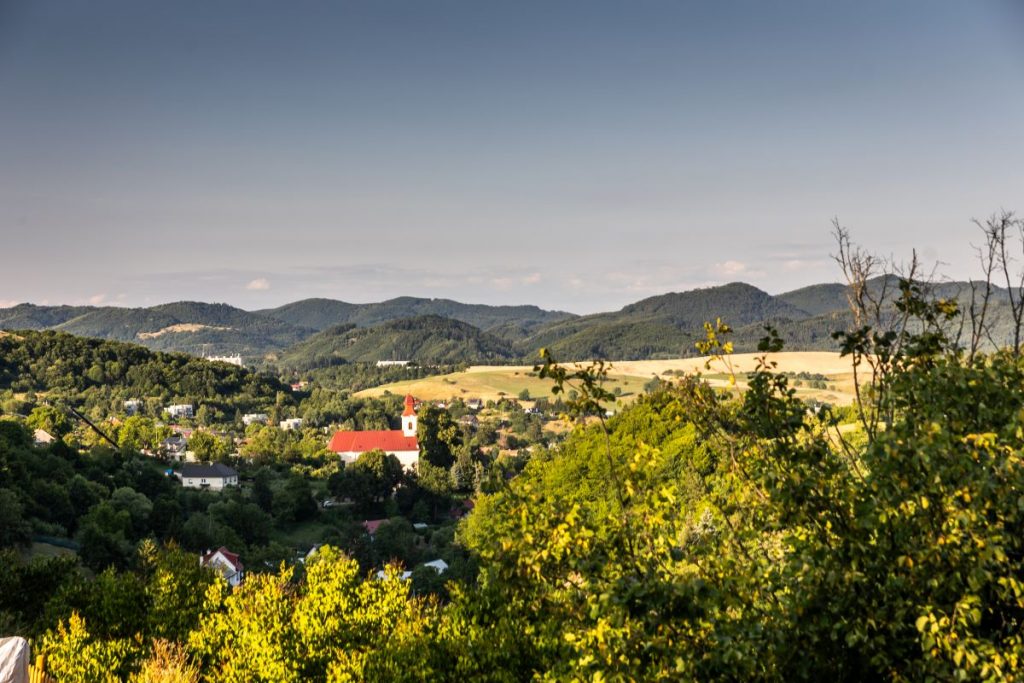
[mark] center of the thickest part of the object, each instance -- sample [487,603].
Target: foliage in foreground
[695,536]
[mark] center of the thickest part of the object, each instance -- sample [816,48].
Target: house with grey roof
[203,476]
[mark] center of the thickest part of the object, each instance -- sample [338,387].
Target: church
[400,443]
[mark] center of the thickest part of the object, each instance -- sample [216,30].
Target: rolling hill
[664,326]
[320,314]
[426,339]
[322,332]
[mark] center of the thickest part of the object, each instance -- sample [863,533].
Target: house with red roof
[401,443]
[225,563]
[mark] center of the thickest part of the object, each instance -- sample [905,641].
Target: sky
[574,155]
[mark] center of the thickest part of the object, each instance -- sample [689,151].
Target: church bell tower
[409,416]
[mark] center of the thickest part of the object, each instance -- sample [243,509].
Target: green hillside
[93,371]
[323,313]
[189,326]
[658,327]
[424,339]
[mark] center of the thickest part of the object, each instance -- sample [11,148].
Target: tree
[294,501]
[14,530]
[438,436]
[370,479]
[49,419]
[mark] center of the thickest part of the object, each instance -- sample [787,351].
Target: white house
[290,423]
[400,443]
[174,447]
[133,406]
[180,410]
[213,477]
[250,418]
[389,363]
[233,360]
[41,437]
[225,563]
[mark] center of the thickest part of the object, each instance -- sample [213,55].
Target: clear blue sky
[576,155]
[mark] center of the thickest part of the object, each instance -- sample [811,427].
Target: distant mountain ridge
[312,332]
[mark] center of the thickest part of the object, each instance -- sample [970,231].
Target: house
[469,421]
[371,525]
[439,566]
[41,437]
[299,386]
[225,563]
[174,447]
[390,363]
[252,418]
[133,406]
[180,410]
[474,404]
[291,423]
[400,443]
[231,360]
[212,477]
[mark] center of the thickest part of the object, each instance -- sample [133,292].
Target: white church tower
[409,416]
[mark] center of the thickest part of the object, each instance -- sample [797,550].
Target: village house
[174,447]
[252,418]
[231,360]
[180,410]
[225,563]
[133,406]
[203,476]
[290,423]
[41,437]
[400,443]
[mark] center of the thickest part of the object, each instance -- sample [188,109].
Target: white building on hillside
[179,410]
[212,477]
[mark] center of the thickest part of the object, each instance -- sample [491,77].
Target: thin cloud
[260,284]
[97,299]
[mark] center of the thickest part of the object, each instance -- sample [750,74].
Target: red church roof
[410,405]
[361,442]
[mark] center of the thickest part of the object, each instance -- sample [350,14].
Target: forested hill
[92,371]
[657,327]
[660,326]
[193,327]
[323,313]
[426,339]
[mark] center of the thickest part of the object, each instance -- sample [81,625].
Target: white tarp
[14,658]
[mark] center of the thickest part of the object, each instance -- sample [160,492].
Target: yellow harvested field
[179,329]
[491,382]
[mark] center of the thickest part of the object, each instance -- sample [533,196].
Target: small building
[290,423]
[41,437]
[474,404]
[253,418]
[469,421]
[401,443]
[174,447]
[439,566]
[231,360]
[180,410]
[371,525]
[133,406]
[203,476]
[392,363]
[225,563]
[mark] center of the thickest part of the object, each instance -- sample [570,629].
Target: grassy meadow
[492,382]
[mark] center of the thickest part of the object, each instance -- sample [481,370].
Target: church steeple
[409,416]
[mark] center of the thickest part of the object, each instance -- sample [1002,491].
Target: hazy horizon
[575,156]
